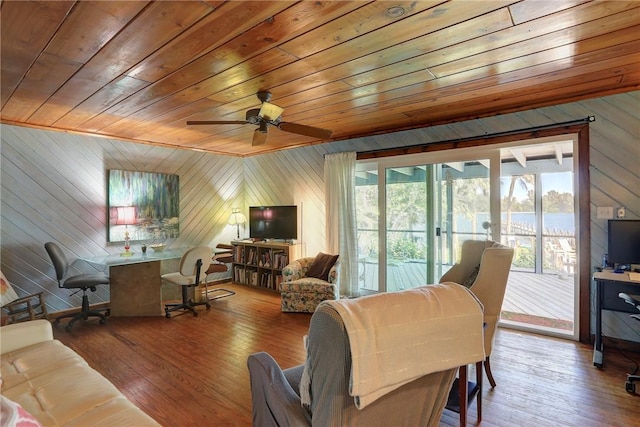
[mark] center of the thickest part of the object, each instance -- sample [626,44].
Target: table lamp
[237,218]
[126,215]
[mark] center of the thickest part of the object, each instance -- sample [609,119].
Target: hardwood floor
[189,371]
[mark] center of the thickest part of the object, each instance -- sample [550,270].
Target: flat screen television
[273,222]
[624,241]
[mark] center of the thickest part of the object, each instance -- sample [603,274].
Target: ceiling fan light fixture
[270,111]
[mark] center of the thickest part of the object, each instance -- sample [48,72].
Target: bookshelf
[260,264]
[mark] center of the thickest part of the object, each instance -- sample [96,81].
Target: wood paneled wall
[54,186]
[295,176]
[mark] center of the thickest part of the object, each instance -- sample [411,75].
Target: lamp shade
[126,215]
[237,218]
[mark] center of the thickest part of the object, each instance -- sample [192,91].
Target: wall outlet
[621,212]
[604,212]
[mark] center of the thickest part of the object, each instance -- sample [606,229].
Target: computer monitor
[624,242]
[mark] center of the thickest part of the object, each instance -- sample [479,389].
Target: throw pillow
[7,293]
[321,265]
[472,277]
[14,415]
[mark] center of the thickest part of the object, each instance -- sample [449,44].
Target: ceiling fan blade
[216,122]
[270,111]
[305,130]
[259,137]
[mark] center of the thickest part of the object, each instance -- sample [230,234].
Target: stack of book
[280,258]
[265,259]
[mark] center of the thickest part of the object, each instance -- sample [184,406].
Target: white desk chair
[193,270]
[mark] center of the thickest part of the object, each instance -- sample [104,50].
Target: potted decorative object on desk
[158,247]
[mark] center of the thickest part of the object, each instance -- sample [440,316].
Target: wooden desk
[608,286]
[136,286]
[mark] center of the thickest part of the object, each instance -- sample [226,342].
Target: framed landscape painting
[145,205]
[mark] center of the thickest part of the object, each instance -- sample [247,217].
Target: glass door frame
[449,156]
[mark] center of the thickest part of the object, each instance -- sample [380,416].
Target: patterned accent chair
[301,294]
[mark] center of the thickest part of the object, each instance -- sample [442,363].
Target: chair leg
[462,394]
[220,293]
[186,304]
[487,369]
[84,314]
[479,375]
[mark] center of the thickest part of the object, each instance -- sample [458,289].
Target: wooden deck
[543,295]
[533,299]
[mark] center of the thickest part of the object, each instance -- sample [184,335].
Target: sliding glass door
[415,211]
[429,209]
[406,234]
[539,223]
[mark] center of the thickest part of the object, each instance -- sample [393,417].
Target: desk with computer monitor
[609,285]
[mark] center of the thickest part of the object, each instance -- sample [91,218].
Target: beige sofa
[55,385]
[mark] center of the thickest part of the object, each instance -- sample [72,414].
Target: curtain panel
[339,182]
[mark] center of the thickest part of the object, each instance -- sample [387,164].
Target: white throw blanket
[396,338]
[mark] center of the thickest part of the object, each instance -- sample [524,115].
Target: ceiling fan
[267,115]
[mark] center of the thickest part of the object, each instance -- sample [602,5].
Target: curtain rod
[491,135]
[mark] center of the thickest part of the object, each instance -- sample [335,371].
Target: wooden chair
[30,307]
[19,309]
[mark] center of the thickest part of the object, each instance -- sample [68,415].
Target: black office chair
[634,300]
[82,282]
[193,270]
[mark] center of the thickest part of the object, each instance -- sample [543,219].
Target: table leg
[136,289]
[598,354]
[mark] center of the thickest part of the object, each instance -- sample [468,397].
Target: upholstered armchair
[360,371]
[301,293]
[484,267]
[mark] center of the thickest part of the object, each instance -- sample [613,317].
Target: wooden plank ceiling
[139,70]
